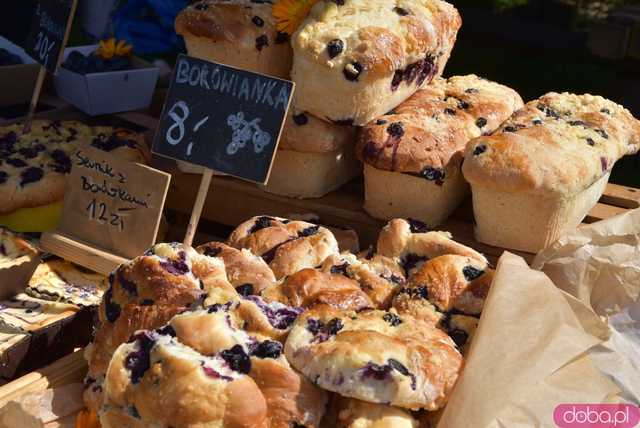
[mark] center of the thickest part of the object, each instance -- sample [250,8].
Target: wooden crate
[231,201]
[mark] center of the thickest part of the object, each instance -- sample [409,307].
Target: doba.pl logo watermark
[596,416]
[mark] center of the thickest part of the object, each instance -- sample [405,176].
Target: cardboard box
[18,81]
[108,92]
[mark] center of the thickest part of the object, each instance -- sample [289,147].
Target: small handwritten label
[112,203]
[223,118]
[48,32]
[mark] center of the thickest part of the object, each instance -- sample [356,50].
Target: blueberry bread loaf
[314,157]
[375,357]
[541,172]
[33,166]
[357,59]
[287,246]
[239,33]
[412,156]
[145,293]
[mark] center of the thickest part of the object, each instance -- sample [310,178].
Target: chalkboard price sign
[223,118]
[49,31]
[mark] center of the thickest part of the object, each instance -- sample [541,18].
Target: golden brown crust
[291,398]
[243,269]
[409,241]
[383,38]
[309,288]
[431,129]
[229,21]
[379,277]
[558,145]
[165,383]
[287,246]
[353,413]
[146,293]
[450,282]
[375,357]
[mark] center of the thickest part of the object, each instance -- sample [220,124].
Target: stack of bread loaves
[276,329]
[350,60]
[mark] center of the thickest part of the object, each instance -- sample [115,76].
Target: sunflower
[289,14]
[109,48]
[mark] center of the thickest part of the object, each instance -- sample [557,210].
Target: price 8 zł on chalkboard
[49,31]
[223,118]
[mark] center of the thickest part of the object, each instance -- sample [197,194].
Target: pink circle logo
[596,415]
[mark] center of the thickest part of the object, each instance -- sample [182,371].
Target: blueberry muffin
[411,243]
[378,276]
[413,155]
[144,294]
[357,59]
[375,356]
[239,33]
[248,273]
[542,171]
[310,287]
[287,246]
[155,380]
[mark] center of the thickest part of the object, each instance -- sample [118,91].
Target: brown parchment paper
[541,343]
[599,265]
[529,354]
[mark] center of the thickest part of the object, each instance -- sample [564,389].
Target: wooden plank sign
[112,210]
[223,118]
[49,32]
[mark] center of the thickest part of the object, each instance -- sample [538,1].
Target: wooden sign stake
[197,207]
[34,100]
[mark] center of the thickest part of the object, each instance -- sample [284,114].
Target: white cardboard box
[108,92]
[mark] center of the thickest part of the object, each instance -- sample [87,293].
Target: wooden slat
[602,211]
[621,196]
[69,369]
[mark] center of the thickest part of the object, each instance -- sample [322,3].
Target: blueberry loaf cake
[33,166]
[145,293]
[239,33]
[413,155]
[287,246]
[314,157]
[354,60]
[541,172]
[375,356]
